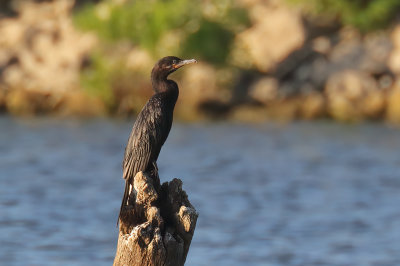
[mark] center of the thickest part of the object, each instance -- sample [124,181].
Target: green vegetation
[145,23]
[141,22]
[187,28]
[366,15]
[209,38]
[97,79]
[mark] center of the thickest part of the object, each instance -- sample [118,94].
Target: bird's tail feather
[124,199]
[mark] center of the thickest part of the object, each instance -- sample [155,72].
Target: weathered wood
[157,226]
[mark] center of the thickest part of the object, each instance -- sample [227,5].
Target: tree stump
[157,225]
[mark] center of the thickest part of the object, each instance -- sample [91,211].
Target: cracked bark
[157,225]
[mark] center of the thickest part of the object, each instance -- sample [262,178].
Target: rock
[139,60]
[21,102]
[393,104]
[378,48]
[264,90]
[17,103]
[248,113]
[322,45]
[312,106]
[373,104]
[202,83]
[349,84]
[325,56]
[394,60]
[2,100]
[42,52]
[353,95]
[368,54]
[277,31]
[78,103]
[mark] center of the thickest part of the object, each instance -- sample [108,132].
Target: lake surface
[270,194]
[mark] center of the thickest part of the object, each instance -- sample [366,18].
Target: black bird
[153,123]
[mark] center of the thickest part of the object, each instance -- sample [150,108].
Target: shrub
[144,23]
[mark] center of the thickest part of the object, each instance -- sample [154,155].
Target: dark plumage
[153,123]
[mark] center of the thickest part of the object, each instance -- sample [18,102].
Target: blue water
[270,194]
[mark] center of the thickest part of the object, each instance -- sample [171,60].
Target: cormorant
[153,123]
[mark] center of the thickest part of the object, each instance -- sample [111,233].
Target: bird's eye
[174,62]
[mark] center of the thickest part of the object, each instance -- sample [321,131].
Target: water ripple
[296,194]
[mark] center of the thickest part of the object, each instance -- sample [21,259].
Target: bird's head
[168,65]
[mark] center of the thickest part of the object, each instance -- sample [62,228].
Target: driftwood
[158,224]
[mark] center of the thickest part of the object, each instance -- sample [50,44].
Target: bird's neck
[168,90]
[164,85]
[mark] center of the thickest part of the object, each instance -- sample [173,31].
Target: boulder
[276,32]
[42,52]
[353,95]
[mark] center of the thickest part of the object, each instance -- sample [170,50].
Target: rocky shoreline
[284,66]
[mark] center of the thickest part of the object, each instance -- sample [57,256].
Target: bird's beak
[185,62]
